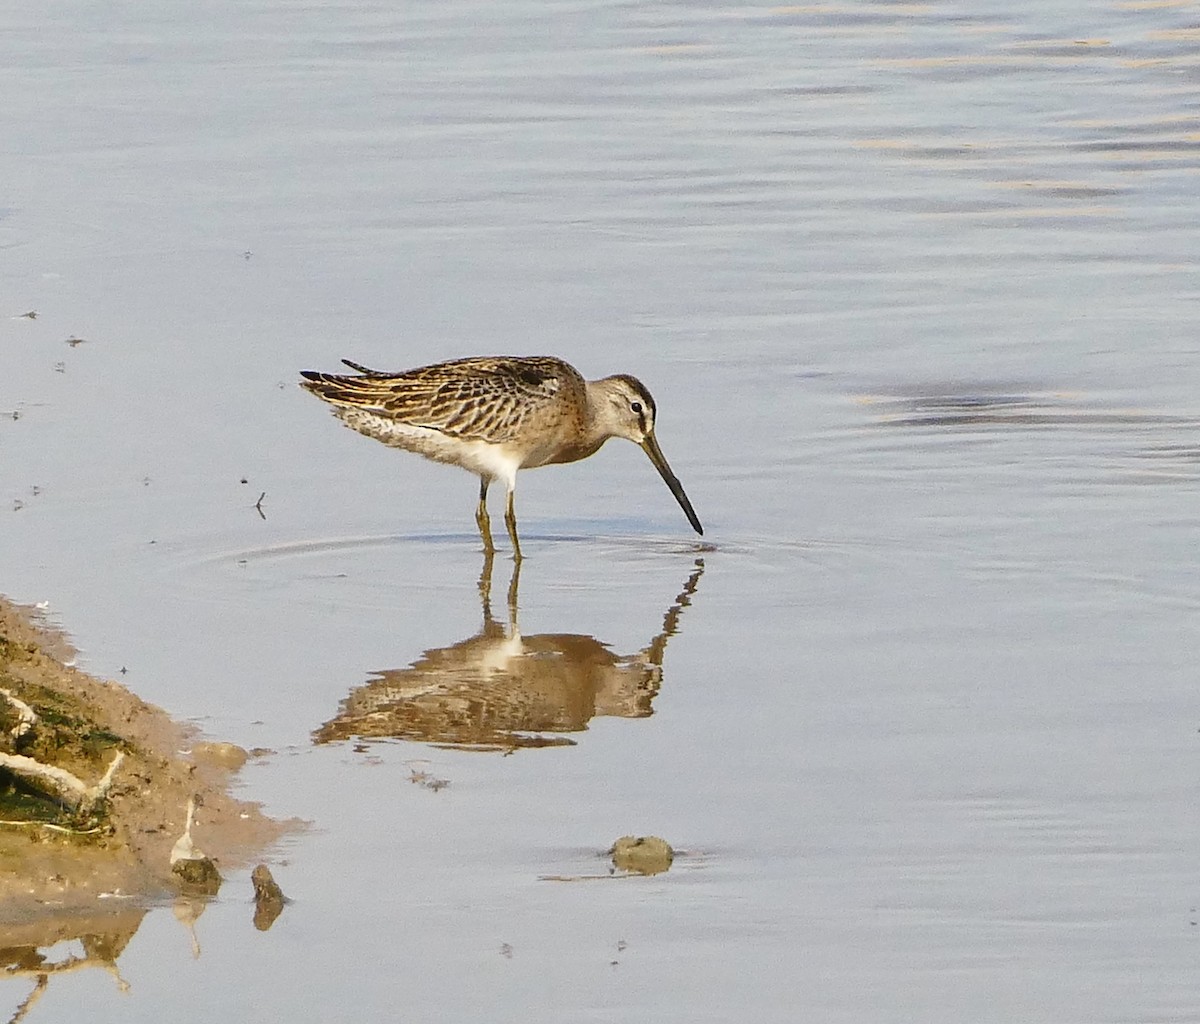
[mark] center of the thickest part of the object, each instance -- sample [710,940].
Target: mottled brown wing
[484,398]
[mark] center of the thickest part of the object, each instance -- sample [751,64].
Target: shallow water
[915,288]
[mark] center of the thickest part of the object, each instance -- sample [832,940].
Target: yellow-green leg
[481,518]
[510,520]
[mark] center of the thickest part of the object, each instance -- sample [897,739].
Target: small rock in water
[268,898]
[643,855]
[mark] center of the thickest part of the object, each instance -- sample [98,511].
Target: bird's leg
[481,517]
[510,520]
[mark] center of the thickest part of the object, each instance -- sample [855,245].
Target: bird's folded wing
[485,399]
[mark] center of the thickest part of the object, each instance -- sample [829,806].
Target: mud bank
[82,852]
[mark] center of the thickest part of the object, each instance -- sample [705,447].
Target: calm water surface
[916,289]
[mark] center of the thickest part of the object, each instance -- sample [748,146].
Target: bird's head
[626,409]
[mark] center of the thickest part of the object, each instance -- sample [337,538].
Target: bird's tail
[341,388]
[344,389]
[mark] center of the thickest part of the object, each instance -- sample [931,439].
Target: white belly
[492,461]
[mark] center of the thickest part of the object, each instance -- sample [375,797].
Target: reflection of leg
[481,517]
[513,584]
[485,585]
[510,520]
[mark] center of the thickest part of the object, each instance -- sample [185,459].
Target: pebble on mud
[642,855]
[228,756]
[198,875]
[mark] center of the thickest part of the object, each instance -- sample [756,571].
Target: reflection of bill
[499,690]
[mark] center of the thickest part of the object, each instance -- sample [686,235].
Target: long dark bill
[651,448]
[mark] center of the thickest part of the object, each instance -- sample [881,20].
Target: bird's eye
[635,406]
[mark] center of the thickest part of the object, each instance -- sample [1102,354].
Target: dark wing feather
[365,369]
[484,398]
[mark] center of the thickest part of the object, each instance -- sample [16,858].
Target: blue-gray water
[916,289]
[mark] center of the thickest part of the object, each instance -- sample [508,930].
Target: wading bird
[495,415]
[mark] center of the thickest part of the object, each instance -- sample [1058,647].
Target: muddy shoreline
[89,866]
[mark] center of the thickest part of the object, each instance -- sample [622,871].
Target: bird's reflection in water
[499,690]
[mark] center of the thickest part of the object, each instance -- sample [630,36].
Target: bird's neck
[576,451]
[600,424]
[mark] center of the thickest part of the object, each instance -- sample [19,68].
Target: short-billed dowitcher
[495,415]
